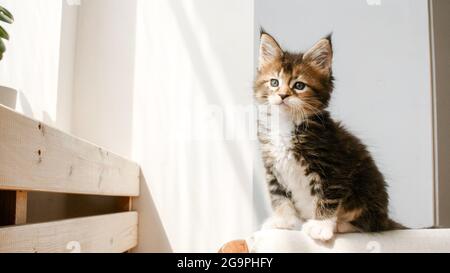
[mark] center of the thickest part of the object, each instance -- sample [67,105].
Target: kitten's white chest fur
[287,169]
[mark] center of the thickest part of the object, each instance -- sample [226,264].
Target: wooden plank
[21,207]
[37,157]
[114,233]
[13,208]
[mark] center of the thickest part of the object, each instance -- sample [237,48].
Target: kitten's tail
[392,225]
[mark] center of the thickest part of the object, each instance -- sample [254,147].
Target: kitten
[319,175]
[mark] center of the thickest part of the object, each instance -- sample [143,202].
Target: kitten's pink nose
[283,96]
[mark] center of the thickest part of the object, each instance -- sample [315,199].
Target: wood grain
[37,157]
[21,208]
[115,233]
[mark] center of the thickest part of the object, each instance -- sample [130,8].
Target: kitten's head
[299,83]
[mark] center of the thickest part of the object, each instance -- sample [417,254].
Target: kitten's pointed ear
[269,50]
[320,56]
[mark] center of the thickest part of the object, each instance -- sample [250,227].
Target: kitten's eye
[300,86]
[274,83]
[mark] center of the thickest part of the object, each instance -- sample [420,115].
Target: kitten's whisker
[315,111]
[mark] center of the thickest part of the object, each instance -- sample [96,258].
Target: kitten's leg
[284,217]
[324,225]
[331,221]
[284,212]
[322,229]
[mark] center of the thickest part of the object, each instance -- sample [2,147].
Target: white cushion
[421,240]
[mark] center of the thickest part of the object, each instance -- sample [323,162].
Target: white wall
[103,79]
[383,84]
[146,87]
[39,64]
[193,67]
[67,56]
[40,58]
[31,63]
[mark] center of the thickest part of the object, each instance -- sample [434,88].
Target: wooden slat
[36,157]
[21,207]
[106,233]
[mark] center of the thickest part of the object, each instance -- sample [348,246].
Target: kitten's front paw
[320,229]
[277,222]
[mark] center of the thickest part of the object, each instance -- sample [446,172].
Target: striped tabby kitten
[319,175]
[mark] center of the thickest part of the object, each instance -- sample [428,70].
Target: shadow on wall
[217,83]
[155,238]
[24,105]
[220,85]
[191,59]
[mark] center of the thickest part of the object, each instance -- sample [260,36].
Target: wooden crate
[37,157]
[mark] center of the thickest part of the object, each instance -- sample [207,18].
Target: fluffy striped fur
[320,177]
